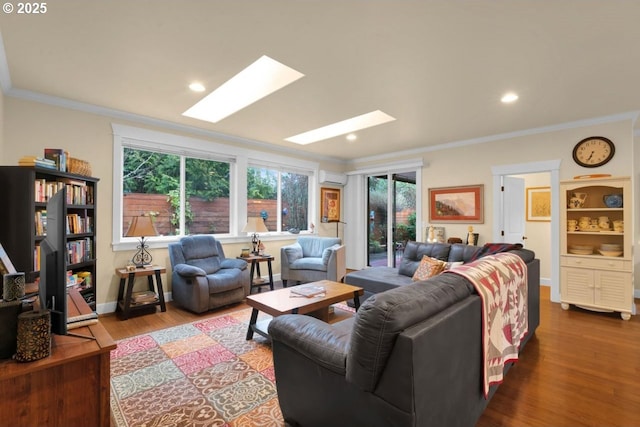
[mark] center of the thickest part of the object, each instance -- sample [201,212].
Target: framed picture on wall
[330,204]
[456,204]
[538,203]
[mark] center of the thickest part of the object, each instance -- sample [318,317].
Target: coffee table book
[307,290]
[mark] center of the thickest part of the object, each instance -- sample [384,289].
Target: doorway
[501,217]
[391,211]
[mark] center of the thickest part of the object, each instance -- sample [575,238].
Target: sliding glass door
[391,207]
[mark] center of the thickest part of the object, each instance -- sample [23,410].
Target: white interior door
[514,210]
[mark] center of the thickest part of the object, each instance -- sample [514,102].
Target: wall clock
[593,151]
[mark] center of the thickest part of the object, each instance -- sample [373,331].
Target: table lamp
[141,226]
[255,225]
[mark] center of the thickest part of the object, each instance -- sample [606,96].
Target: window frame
[239,158]
[260,164]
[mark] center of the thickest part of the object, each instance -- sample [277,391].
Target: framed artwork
[330,204]
[539,204]
[457,204]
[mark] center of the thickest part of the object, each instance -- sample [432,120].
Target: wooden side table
[255,261]
[124,307]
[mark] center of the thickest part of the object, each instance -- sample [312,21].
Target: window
[195,186]
[280,198]
[152,185]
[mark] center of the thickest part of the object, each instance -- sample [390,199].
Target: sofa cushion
[223,280]
[315,246]
[202,252]
[428,267]
[414,251]
[308,264]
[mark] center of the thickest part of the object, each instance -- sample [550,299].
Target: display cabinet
[596,259]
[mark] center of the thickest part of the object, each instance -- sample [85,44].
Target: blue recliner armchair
[202,277]
[311,259]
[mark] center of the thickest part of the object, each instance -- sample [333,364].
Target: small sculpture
[432,235]
[471,238]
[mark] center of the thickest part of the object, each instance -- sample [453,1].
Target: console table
[67,389]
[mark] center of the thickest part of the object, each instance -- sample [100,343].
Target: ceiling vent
[332,178]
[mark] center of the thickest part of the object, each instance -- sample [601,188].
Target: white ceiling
[438,67]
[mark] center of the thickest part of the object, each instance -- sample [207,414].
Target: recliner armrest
[186,270]
[233,263]
[321,342]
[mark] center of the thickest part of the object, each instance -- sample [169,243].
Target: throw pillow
[428,267]
[453,264]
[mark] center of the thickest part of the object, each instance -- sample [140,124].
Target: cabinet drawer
[596,262]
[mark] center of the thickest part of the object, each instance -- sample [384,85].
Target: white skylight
[258,80]
[353,124]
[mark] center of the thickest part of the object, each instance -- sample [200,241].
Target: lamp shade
[255,225]
[141,226]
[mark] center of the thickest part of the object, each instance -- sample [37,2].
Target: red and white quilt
[501,282]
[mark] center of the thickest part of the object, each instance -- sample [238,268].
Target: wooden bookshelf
[25,191]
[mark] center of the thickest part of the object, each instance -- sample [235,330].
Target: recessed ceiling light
[509,97]
[351,137]
[258,80]
[197,87]
[353,124]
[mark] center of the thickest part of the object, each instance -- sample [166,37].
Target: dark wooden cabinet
[25,191]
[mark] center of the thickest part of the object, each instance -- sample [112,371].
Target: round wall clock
[593,151]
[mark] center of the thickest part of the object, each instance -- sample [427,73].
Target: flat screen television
[53,263]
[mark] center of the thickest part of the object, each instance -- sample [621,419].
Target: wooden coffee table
[282,301]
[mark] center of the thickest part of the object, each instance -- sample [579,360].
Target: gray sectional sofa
[411,356]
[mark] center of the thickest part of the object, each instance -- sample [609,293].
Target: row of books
[78,193]
[80,251]
[76,224]
[54,158]
[77,251]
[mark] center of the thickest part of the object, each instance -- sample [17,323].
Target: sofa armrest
[336,264]
[186,270]
[240,264]
[321,342]
[290,253]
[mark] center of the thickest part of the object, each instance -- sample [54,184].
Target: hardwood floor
[581,368]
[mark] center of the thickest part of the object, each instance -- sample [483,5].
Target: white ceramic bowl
[611,247]
[610,253]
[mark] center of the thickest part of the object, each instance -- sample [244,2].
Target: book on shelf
[59,156]
[307,290]
[37,161]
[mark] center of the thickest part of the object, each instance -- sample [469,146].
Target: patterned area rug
[199,374]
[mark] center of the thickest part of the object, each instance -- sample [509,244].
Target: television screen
[53,264]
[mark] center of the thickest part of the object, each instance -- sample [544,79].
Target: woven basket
[79,167]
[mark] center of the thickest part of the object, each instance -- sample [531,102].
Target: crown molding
[630,115]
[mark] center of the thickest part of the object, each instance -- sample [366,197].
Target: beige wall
[28,127]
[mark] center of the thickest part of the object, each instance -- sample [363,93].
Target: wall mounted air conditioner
[326,177]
